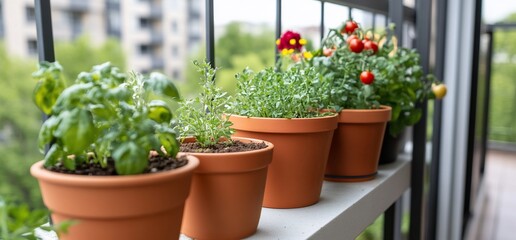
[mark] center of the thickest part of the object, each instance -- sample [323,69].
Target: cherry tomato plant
[375,72]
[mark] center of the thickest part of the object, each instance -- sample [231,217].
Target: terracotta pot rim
[269,147]
[38,171]
[233,162]
[285,125]
[382,114]
[280,119]
[382,108]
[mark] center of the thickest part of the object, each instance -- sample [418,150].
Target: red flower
[290,40]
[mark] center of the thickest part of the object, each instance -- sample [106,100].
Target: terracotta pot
[144,206]
[391,146]
[301,149]
[356,144]
[227,193]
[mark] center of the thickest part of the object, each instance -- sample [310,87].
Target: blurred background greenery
[235,49]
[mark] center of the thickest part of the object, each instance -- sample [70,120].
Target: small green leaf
[76,130]
[53,155]
[160,84]
[130,158]
[46,133]
[159,111]
[45,95]
[169,143]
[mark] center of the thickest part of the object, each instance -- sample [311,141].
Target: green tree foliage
[81,54]
[20,120]
[235,49]
[502,118]
[19,124]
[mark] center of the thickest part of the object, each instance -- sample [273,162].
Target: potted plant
[111,166]
[283,107]
[372,76]
[406,85]
[351,61]
[227,189]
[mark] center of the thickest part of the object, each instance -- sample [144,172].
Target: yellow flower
[290,51]
[277,41]
[285,52]
[292,41]
[308,55]
[302,41]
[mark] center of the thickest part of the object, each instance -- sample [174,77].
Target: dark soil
[225,147]
[156,164]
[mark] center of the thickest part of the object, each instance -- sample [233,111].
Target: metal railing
[398,14]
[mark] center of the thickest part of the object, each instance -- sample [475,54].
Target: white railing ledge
[344,211]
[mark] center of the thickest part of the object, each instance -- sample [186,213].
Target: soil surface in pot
[156,164]
[223,147]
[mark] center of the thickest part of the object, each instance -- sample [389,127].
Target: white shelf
[344,211]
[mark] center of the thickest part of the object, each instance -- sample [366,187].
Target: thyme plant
[297,92]
[203,117]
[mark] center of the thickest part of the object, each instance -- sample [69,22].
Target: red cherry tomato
[367,77]
[355,45]
[349,27]
[351,37]
[328,52]
[370,45]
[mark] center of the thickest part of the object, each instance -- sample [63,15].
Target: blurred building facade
[155,34]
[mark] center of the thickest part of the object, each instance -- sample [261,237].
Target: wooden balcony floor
[499,215]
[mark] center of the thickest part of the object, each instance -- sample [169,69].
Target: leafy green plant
[104,115]
[17,221]
[203,117]
[344,67]
[297,92]
[395,77]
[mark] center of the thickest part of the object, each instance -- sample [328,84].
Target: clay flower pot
[391,146]
[356,144]
[144,206]
[227,193]
[301,149]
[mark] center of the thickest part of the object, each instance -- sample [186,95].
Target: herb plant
[368,69]
[297,92]
[203,117]
[104,115]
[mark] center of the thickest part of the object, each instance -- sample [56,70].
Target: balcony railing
[398,14]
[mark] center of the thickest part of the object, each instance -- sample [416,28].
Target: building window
[175,51]
[145,49]
[145,23]
[75,20]
[30,14]
[32,46]
[174,27]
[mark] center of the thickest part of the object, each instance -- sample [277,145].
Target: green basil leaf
[76,130]
[46,93]
[46,133]
[53,155]
[159,111]
[160,84]
[130,158]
